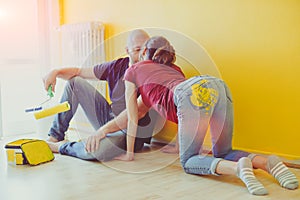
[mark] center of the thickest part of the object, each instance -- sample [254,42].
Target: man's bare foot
[170,148]
[51,139]
[54,146]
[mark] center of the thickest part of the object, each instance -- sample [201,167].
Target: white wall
[21,66]
[1,129]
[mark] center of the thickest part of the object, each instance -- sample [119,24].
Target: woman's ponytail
[159,50]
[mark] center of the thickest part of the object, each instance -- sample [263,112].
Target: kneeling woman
[195,104]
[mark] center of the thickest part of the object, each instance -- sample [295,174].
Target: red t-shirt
[156,83]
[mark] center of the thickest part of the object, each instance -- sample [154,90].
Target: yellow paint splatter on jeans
[202,96]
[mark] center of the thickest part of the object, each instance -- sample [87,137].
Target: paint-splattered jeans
[202,102]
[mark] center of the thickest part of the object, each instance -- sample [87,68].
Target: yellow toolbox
[28,151]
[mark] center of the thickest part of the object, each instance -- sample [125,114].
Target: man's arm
[118,123]
[66,74]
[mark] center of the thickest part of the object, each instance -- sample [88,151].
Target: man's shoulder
[118,63]
[121,62]
[111,69]
[120,66]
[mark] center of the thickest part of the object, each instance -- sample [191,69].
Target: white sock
[281,173]
[245,173]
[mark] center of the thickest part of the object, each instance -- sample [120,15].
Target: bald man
[104,144]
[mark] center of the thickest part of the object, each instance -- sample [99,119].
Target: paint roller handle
[33,109]
[50,92]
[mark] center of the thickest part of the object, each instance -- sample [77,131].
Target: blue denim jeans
[98,111]
[202,102]
[111,146]
[79,92]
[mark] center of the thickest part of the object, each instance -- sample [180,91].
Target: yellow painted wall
[254,43]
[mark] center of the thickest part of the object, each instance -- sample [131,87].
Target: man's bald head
[135,41]
[137,36]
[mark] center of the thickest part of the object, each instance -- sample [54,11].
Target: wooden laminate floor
[153,175]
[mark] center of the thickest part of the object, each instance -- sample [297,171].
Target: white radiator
[82,44]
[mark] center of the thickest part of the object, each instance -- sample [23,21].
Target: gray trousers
[98,111]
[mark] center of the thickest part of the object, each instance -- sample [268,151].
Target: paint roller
[62,107]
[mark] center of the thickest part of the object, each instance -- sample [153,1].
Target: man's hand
[129,156]
[50,79]
[92,143]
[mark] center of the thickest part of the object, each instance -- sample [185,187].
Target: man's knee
[71,83]
[110,147]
